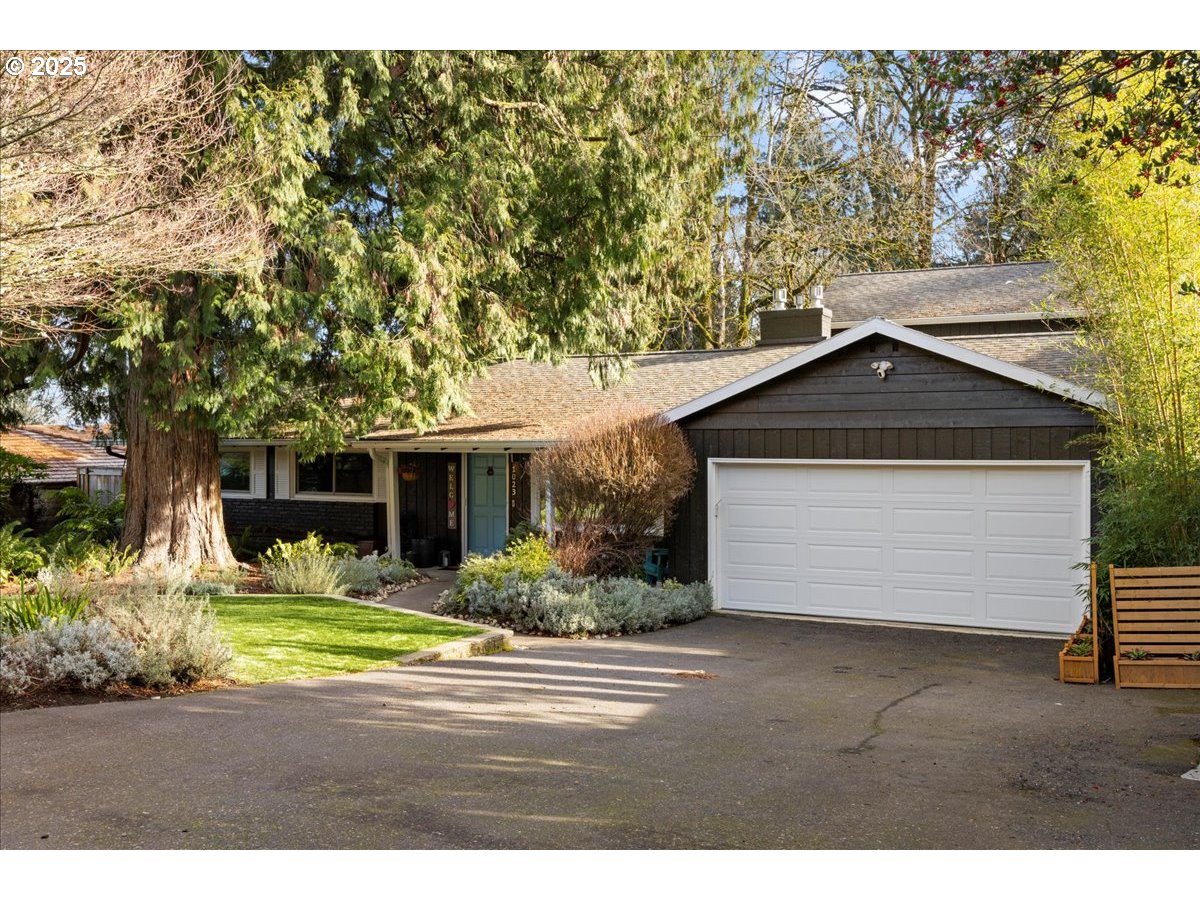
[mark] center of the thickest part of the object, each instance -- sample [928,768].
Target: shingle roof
[523,401]
[1053,352]
[62,450]
[932,293]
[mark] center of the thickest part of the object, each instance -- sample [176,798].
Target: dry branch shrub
[127,173]
[616,480]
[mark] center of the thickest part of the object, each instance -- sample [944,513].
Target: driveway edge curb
[493,640]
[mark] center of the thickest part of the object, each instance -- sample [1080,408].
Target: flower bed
[564,605]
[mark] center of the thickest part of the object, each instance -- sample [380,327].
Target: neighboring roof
[524,401]
[996,290]
[62,450]
[962,350]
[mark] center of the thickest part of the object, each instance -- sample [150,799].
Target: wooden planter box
[1156,673]
[1082,669]
[1079,669]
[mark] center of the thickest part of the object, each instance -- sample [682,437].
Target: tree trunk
[173,509]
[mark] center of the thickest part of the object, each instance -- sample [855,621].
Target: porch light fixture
[408,471]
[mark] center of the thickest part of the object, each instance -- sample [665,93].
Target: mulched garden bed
[45,699]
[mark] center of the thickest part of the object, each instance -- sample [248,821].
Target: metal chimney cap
[780,295]
[816,294]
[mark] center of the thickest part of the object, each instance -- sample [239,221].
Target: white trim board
[918,339]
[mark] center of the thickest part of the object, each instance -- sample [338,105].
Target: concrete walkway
[420,597]
[729,732]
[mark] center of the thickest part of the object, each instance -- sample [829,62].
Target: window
[235,471]
[336,473]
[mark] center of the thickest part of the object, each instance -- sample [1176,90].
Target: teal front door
[487,503]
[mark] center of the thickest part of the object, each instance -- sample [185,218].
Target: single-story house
[72,458]
[910,447]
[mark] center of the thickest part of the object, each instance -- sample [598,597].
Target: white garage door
[978,545]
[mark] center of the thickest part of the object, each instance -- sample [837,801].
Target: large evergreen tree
[431,212]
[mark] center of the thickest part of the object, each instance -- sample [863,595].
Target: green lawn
[277,638]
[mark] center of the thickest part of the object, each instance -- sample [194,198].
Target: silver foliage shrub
[175,636]
[306,573]
[396,571]
[84,653]
[567,605]
[361,576]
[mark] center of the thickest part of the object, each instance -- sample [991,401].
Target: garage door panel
[836,480]
[926,483]
[762,479]
[1024,566]
[1030,484]
[933,604]
[762,553]
[1032,611]
[1026,524]
[933,522]
[975,545]
[835,598]
[933,562]
[762,594]
[760,515]
[842,558]
[850,519]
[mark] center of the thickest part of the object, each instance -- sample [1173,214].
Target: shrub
[86,556]
[209,589]
[167,578]
[520,532]
[396,571]
[20,554]
[617,479]
[314,573]
[573,606]
[175,636]
[529,559]
[41,606]
[64,582]
[311,545]
[360,576]
[13,468]
[81,517]
[82,653]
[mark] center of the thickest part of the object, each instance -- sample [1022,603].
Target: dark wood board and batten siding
[424,502]
[928,408]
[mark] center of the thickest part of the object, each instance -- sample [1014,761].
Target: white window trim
[321,496]
[255,453]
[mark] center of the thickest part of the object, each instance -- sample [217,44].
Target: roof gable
[883,328]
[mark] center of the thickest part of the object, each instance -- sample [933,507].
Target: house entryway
[487,502]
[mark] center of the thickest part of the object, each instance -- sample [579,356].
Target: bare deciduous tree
[117,177]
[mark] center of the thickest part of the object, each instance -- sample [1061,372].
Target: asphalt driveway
[798,734]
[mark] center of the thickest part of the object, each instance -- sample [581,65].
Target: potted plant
[1079,659]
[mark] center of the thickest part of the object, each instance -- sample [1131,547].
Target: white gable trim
[884,328]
